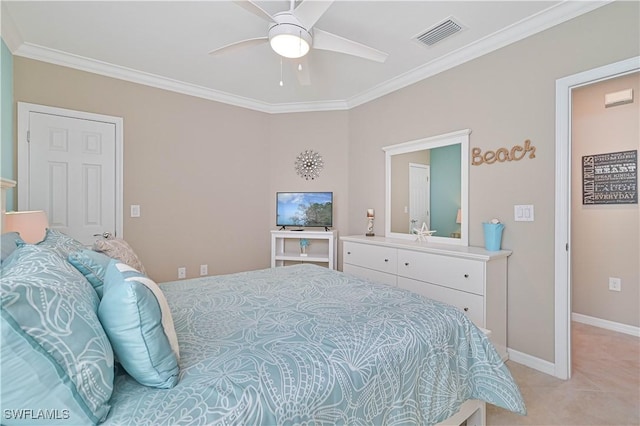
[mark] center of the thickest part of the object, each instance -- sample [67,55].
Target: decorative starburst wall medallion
[308,164]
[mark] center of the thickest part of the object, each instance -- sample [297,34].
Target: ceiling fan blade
[326,41]
[250,6]
[301,68]
[308,12]
[238,45]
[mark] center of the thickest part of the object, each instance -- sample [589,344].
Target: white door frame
[24,109]
[564,87]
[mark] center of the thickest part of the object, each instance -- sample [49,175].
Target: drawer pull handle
[348,252]
[386,260]
[466,309]
[406,263]
[466,275]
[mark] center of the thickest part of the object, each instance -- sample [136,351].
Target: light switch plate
[523,213]
[135,210]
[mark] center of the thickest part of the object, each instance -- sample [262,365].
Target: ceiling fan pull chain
[281,82]
[300,49]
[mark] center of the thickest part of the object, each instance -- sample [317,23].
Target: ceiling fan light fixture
[289,40]
[289,46]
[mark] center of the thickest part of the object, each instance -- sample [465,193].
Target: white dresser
[470,278]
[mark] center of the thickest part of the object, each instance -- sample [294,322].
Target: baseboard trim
[549,367]
[532,362]
[606,324]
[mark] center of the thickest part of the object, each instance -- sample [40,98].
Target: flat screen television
[304,209]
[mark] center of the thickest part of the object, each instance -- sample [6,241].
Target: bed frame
[472,413]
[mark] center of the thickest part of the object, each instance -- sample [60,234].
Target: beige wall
[504,97]
[221,165]
[605,238]
[322,132]
[198,171]
[205,174]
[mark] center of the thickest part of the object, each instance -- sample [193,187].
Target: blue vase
[492,236]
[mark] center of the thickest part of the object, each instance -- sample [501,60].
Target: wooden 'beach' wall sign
[516,153]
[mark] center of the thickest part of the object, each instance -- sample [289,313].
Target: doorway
[419,196]
[70,166]
[564,88]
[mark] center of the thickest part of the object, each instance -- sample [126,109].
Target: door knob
[105,235]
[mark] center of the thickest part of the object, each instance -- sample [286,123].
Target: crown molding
[541,21]
[309,107]
[40,53]
[527,27]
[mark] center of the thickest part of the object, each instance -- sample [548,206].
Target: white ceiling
[165,44]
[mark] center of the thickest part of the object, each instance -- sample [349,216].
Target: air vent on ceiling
[439,32]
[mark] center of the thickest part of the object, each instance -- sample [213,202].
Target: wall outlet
[615,284]
[182,272]
[204,270]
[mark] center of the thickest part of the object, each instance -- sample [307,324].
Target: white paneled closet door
[72,174]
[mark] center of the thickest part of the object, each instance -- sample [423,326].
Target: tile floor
[604,388]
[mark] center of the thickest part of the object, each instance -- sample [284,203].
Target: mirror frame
[459,137]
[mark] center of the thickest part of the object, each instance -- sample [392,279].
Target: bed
[292,345]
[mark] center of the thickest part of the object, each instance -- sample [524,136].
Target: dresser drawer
[461,274]
[370,274]
[471,304]
[382,259]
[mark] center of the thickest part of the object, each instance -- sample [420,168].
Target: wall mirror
[427,182]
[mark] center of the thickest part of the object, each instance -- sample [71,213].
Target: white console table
[285,246]
[470,278]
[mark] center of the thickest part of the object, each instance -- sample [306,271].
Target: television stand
[285,247]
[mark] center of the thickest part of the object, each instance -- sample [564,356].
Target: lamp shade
[31,225]
[459,216]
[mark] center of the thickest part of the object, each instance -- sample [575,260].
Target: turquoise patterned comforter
[307,345]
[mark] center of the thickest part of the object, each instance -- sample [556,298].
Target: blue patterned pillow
[61,243]
[136,317]
[55,354]
[92,265]
[9,244]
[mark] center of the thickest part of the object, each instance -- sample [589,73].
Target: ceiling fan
[291,33]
